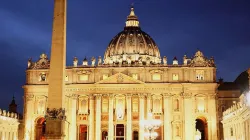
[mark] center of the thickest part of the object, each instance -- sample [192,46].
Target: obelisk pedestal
[55,114]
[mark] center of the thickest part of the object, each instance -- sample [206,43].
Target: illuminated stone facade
[8,125]
[108,98]
[236,121]
[228,94]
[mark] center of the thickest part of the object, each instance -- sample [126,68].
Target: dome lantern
[132,20]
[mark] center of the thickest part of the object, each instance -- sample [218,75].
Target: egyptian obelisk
[55,114]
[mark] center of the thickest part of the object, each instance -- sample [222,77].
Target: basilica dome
[132,45]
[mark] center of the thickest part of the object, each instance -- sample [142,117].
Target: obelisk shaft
[55,115]
[58,56]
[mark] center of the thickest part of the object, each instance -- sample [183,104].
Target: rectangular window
[175,77]
[84,77]
[199,74]
[135,76]
[156,77]
[66,78]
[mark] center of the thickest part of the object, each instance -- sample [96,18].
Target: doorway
[40,129]
[83,132]
[201,125]
[120,130]
[135,135]
[104,135]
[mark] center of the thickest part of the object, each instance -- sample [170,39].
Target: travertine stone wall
[236,121]
[8,125]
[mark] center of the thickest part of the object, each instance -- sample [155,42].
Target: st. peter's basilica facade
[109,97]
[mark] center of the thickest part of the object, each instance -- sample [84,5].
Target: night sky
[219,28]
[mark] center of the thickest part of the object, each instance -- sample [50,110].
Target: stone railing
[8,114]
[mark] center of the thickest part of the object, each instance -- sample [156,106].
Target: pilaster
[188,112]
[213,121]
[98,117]
[167,116]
[149,106]
[72,109]
[91,118]
[29,105]
[111,116]
[129,117]
[141,116]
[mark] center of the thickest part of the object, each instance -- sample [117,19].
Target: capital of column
[91,96]
[29,97]
[167,95]
[111,96]
[213,96]
[74,96]
[142,96]
[98,96]
[186,95]
[128,96]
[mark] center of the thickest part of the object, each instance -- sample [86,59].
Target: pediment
[120,78]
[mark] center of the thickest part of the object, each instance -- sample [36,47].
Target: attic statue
[99,60]
[75,62]
[29,62]
[165,61]
[93,61]
[185,60]
[129,60]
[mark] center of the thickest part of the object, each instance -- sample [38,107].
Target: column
[11,135]
[224,130]
[7,136]
[111,117]
[91,118]
[167,116]
[29,105]
[188,108]
[3,135]
[129,117]
[15,136]
[98,117]
[141,116]
[72,109]
[149,109]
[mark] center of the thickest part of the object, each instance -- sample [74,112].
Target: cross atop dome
[132,20]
